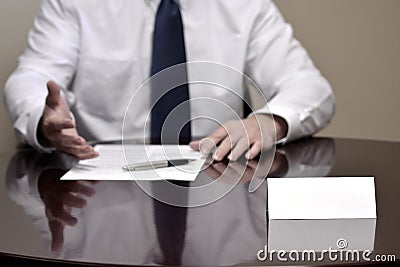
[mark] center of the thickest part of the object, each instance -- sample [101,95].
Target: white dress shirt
[100,52]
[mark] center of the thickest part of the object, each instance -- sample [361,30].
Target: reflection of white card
[321,198]
[319,235]
[108,166]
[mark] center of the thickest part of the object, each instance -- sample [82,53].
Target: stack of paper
[108,166]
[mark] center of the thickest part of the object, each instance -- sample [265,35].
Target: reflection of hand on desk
[33,182]
[228,170]
[308,157]
[59,198]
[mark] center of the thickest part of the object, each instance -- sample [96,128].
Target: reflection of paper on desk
[321,198]
[108,166]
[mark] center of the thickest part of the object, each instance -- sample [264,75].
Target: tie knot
[170,6]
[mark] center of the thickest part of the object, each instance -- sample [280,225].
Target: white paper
[108,166]
[319,235]
[321,198]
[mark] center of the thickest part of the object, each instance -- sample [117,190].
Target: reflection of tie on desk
[169,50]
[170,224]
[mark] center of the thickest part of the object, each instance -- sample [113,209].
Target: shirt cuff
[33,122]
[289,115]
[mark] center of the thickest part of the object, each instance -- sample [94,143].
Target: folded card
[321,198]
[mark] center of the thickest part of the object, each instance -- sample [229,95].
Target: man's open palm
[57,129]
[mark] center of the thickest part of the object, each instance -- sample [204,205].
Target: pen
[142,166]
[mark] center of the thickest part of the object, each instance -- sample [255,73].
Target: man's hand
[253,134]
[56,128]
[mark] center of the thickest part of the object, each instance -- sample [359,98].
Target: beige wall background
[16,18]
[355,43]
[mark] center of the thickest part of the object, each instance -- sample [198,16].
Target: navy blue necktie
[169,50]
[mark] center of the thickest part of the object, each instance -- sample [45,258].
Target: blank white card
[321,198]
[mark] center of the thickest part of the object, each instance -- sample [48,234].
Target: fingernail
[230,157]
[247,155]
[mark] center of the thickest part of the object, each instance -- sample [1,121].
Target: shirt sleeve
[51,54]
[293,87]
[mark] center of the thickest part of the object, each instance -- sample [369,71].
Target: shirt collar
[181,3]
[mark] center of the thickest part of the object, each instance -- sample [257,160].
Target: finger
[252,164]
[254,151]
[73,140]
[81,152]
[73,201]
[248,174]
[220,167]
[228,172]
[80,188]
[237,168]
[199,144]
[212,172]
[241,146]
[195,145]
[59,124]
[206,146]
[61,215]
[88,156]
[279,166]
[223,149]
[53,96]
[57,235]
[216,137]
[66,218]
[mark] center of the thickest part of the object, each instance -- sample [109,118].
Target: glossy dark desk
[121,225]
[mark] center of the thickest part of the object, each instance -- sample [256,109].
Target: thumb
[53,97]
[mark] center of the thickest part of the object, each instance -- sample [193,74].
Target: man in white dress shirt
[100,53]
